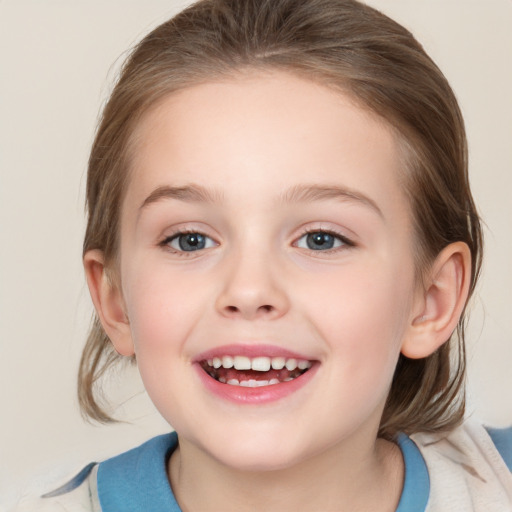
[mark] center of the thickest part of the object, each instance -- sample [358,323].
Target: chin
[253,455]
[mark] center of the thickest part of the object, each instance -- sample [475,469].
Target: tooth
[241,363]
[227,362]
[272,382]
[291,364]
[288,379]
[251,383]
[210,362]
[302,365]
[278,363]
[233,382]
[216,362]
[261,364]
[222,379]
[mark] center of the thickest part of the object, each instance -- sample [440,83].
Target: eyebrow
[305,193]
[297,194]
[188,193]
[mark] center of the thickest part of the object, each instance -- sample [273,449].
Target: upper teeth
[261,364]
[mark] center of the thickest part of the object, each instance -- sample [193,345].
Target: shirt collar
[137,480]
[416,490]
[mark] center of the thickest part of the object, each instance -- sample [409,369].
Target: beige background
[57,62]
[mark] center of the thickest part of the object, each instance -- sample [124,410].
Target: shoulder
[467,467]
[77,494]
[133,481]
[471,443]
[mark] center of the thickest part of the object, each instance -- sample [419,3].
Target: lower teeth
[251,383]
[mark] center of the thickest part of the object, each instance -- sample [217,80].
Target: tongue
[241,375]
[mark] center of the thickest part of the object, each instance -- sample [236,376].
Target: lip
[259,395]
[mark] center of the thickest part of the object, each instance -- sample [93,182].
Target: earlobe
[439,306]
[108,302]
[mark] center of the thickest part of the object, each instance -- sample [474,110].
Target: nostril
[266,308]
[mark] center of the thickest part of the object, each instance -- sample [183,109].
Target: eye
[187,242]
[322,241]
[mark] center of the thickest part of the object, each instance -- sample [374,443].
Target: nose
[252,289]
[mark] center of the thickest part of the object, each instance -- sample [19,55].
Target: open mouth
[256,371]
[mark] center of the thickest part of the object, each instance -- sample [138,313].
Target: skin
[250,141]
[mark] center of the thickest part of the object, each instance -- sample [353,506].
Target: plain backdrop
[58,60]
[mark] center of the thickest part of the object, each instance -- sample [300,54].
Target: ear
[108,301]
[438,306]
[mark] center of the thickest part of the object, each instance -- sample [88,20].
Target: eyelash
[165,243]
[346,243]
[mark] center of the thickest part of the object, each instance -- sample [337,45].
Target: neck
[344,478]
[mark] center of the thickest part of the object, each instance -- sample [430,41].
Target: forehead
[264,133]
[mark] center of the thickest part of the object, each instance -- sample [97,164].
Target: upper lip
[251,351]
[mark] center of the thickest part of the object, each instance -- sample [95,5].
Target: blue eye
[187,242]
[321,241]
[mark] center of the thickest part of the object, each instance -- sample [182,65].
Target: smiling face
[264,225]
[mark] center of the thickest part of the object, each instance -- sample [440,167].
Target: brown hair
[342,44]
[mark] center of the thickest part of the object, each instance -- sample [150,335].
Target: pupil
[191,242]
[317,241]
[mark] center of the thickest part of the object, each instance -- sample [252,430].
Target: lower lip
[259,395]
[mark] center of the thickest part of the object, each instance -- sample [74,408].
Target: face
[264,226]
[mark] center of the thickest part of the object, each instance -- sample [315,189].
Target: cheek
[162,311]
[161,308]
[363,314]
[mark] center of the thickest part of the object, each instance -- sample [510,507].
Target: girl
[281,234]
